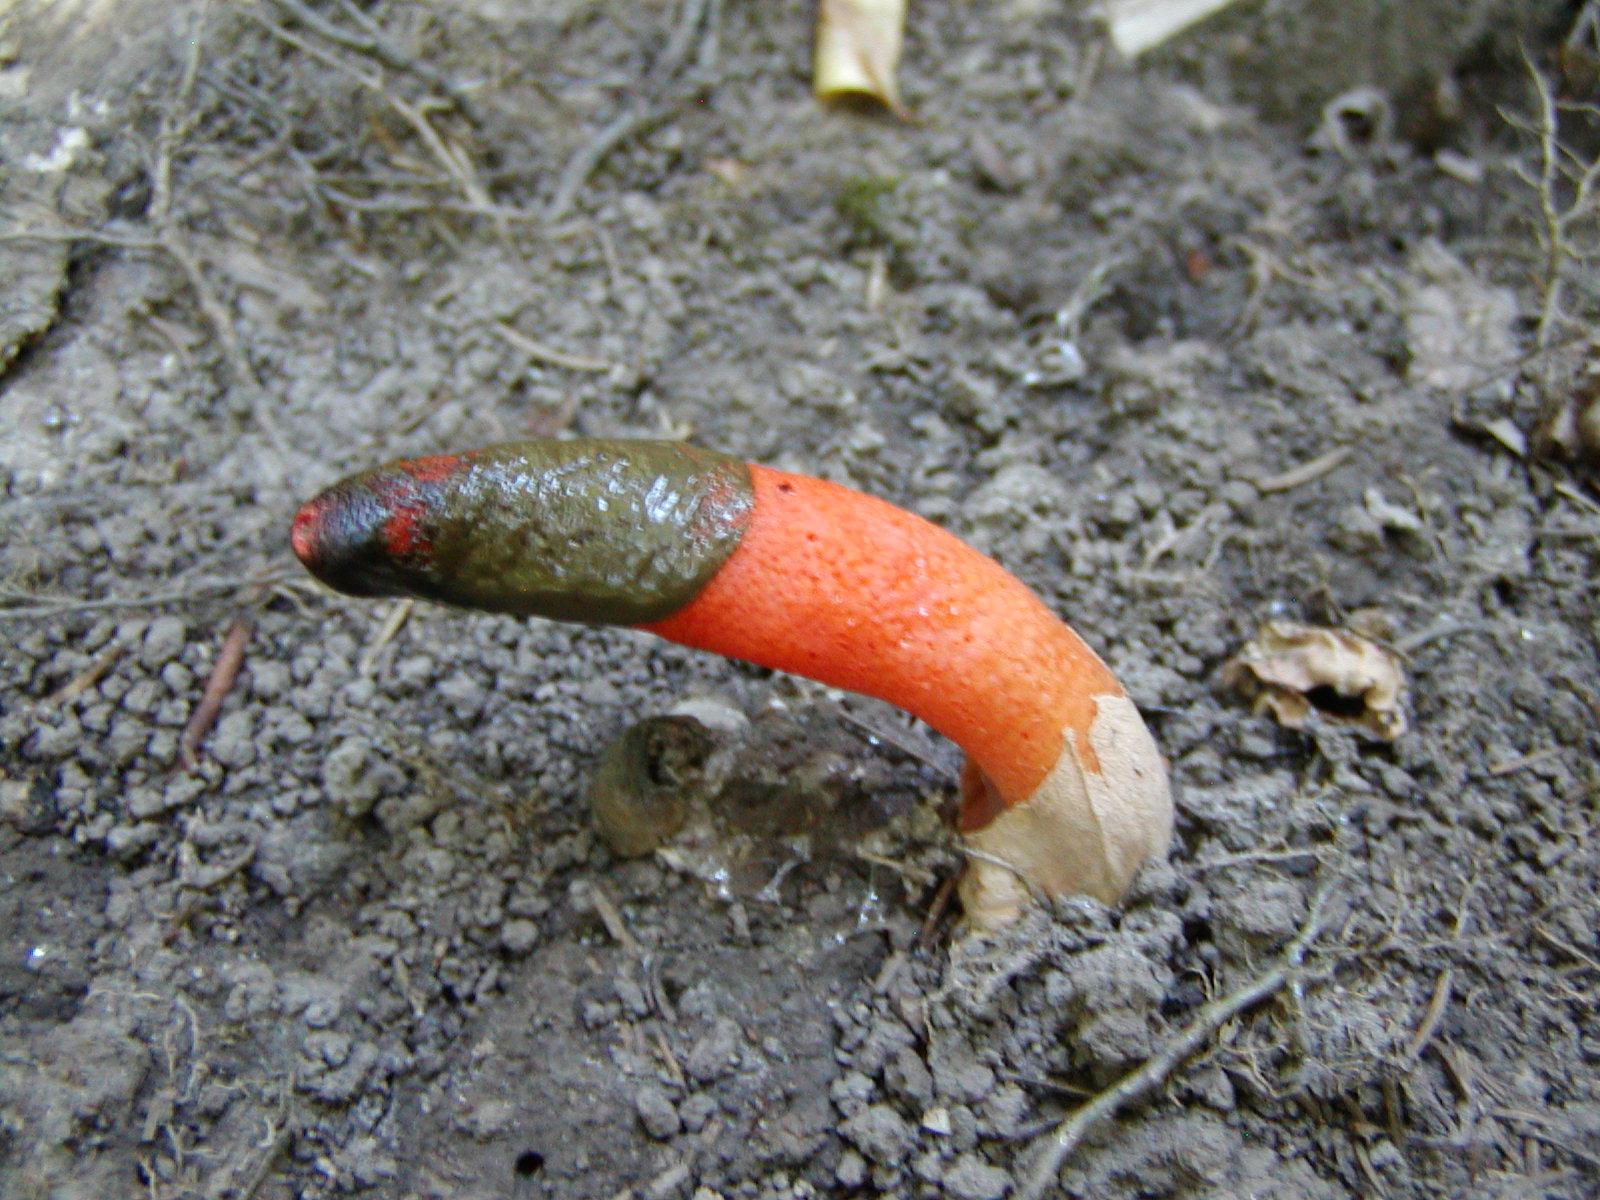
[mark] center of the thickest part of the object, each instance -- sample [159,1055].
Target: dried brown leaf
[1302,673]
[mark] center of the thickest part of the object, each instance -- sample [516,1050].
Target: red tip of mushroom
[346,532]
[347,537]
[303,534]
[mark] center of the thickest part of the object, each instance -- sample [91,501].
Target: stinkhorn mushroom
[1064,790]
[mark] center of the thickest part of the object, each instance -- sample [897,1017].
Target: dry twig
[85,679]
[1431,1017]
[645,114]
[371,41]
[611,917]
[399,614]
[1306,472]
[451,159]
[193,589]
[539,352]
[1159,1067]
[218,685]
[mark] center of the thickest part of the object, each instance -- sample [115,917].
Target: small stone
[163,642]
[715,1054]
[908,1075]
[696,1111]
[1006,1111]
[487,1119]
[330,1047]
[143,697]
[321,1013]
[269,679]
[880,1133]
[656,1112]
[1212,1087]
[850,1092]
[971,1178]
[518,936]
[346,780]
[50,742]
[958,1075]
[596,1014]
[233,743]
[463,693]
[928,1166]
[25,804]
[963,1128]
[667,1184]
[143,802]
[414,672]
[937,1120]
[127,739]
[632,996]
[852,1170]
[292,729]
[126,841]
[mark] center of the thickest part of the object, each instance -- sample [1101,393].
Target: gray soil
[1093,317]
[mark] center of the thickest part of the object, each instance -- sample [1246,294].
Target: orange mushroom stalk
[1064,790]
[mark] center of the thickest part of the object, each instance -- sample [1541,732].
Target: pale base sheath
[1081,832]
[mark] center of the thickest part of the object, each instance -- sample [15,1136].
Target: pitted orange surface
[850,590]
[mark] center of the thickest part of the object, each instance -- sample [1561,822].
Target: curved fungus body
[1064,790]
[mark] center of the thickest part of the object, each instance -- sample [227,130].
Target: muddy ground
[1178,347]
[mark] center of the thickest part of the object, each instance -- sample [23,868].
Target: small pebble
[163,642]
[696,1111]
[880,1133]
[852,1170]
[656,1112]
[233,742]
[715,1054]
[971,1178]
[518,936]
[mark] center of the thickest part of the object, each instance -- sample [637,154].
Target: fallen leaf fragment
[1140,25]
[1302,673]
[858,50]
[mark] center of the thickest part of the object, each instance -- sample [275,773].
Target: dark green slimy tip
[603,531]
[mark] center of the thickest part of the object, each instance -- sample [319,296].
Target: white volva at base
[1081,832]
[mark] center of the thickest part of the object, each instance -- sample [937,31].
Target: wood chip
[1522,762]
